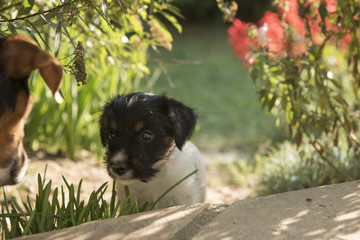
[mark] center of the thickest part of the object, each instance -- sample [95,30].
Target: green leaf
[172,187]
[57,38]
[45,18]
[26,7]
[39,34]
[101,14]
[67,33]
[323,13]
[45,207]
[84,212]
[162,28]
[32,35]
[15,205]
[79,192]
[175,10]
[104,8]
[28,224]
[11,26]
[172,20]
[113,197]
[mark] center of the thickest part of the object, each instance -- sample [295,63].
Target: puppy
[147,148]
[18,57]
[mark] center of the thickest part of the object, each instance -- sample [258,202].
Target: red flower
[270,23]
[289,11]
[239,40]
[331,6]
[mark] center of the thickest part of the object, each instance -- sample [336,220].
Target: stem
[330,164]
[38,13]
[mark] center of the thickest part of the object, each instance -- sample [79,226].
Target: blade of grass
[27,226]
[78,192]
[6,201]
[45,207]
[15,205]
[171,188]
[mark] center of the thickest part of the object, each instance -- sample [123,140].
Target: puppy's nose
[119,169]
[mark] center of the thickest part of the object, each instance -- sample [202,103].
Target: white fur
[179,164]
[5,177]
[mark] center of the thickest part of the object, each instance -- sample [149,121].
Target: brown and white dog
[19,56]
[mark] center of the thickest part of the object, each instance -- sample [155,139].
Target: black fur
[164,119]
[9,88]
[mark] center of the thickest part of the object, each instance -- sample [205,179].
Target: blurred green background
[203,72]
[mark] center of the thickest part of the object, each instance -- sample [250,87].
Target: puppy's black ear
[182,119]
[106,123]
[104,129]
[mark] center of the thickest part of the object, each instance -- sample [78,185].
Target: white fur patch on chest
[179,164]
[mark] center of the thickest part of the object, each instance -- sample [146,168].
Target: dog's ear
[23,55]
[108,125]
[182,119]
[104,128]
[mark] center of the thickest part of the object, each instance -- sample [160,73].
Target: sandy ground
[94,175]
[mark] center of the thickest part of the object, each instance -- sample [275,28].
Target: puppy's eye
[112,134]
[147,136]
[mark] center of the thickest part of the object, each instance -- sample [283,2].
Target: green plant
[50,213]
[299,74]
[102,43]
[289,168]
[73,125]
[236,173]
[53,214]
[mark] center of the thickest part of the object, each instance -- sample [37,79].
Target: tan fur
[23,55]
[139,126]
[20,56]
[114,125]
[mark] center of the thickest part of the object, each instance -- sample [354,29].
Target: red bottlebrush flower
[331,6]
[289,9]
[239,40]
[343,44]
[271,25]
[315,30]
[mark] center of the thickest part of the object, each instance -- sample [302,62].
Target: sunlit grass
[66,208]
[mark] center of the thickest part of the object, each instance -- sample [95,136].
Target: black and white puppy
[147,145]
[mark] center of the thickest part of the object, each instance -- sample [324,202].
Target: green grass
[60,211]
[207,76]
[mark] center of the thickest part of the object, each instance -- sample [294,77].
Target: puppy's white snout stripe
[118,168]
[119,157]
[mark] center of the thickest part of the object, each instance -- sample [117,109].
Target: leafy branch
[38,13]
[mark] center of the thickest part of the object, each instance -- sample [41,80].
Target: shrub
[289,168]
[102,43]
[299,75]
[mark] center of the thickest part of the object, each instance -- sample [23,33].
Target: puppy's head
[18,57]
[139,132]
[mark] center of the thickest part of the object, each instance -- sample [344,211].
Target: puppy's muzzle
[118,166]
